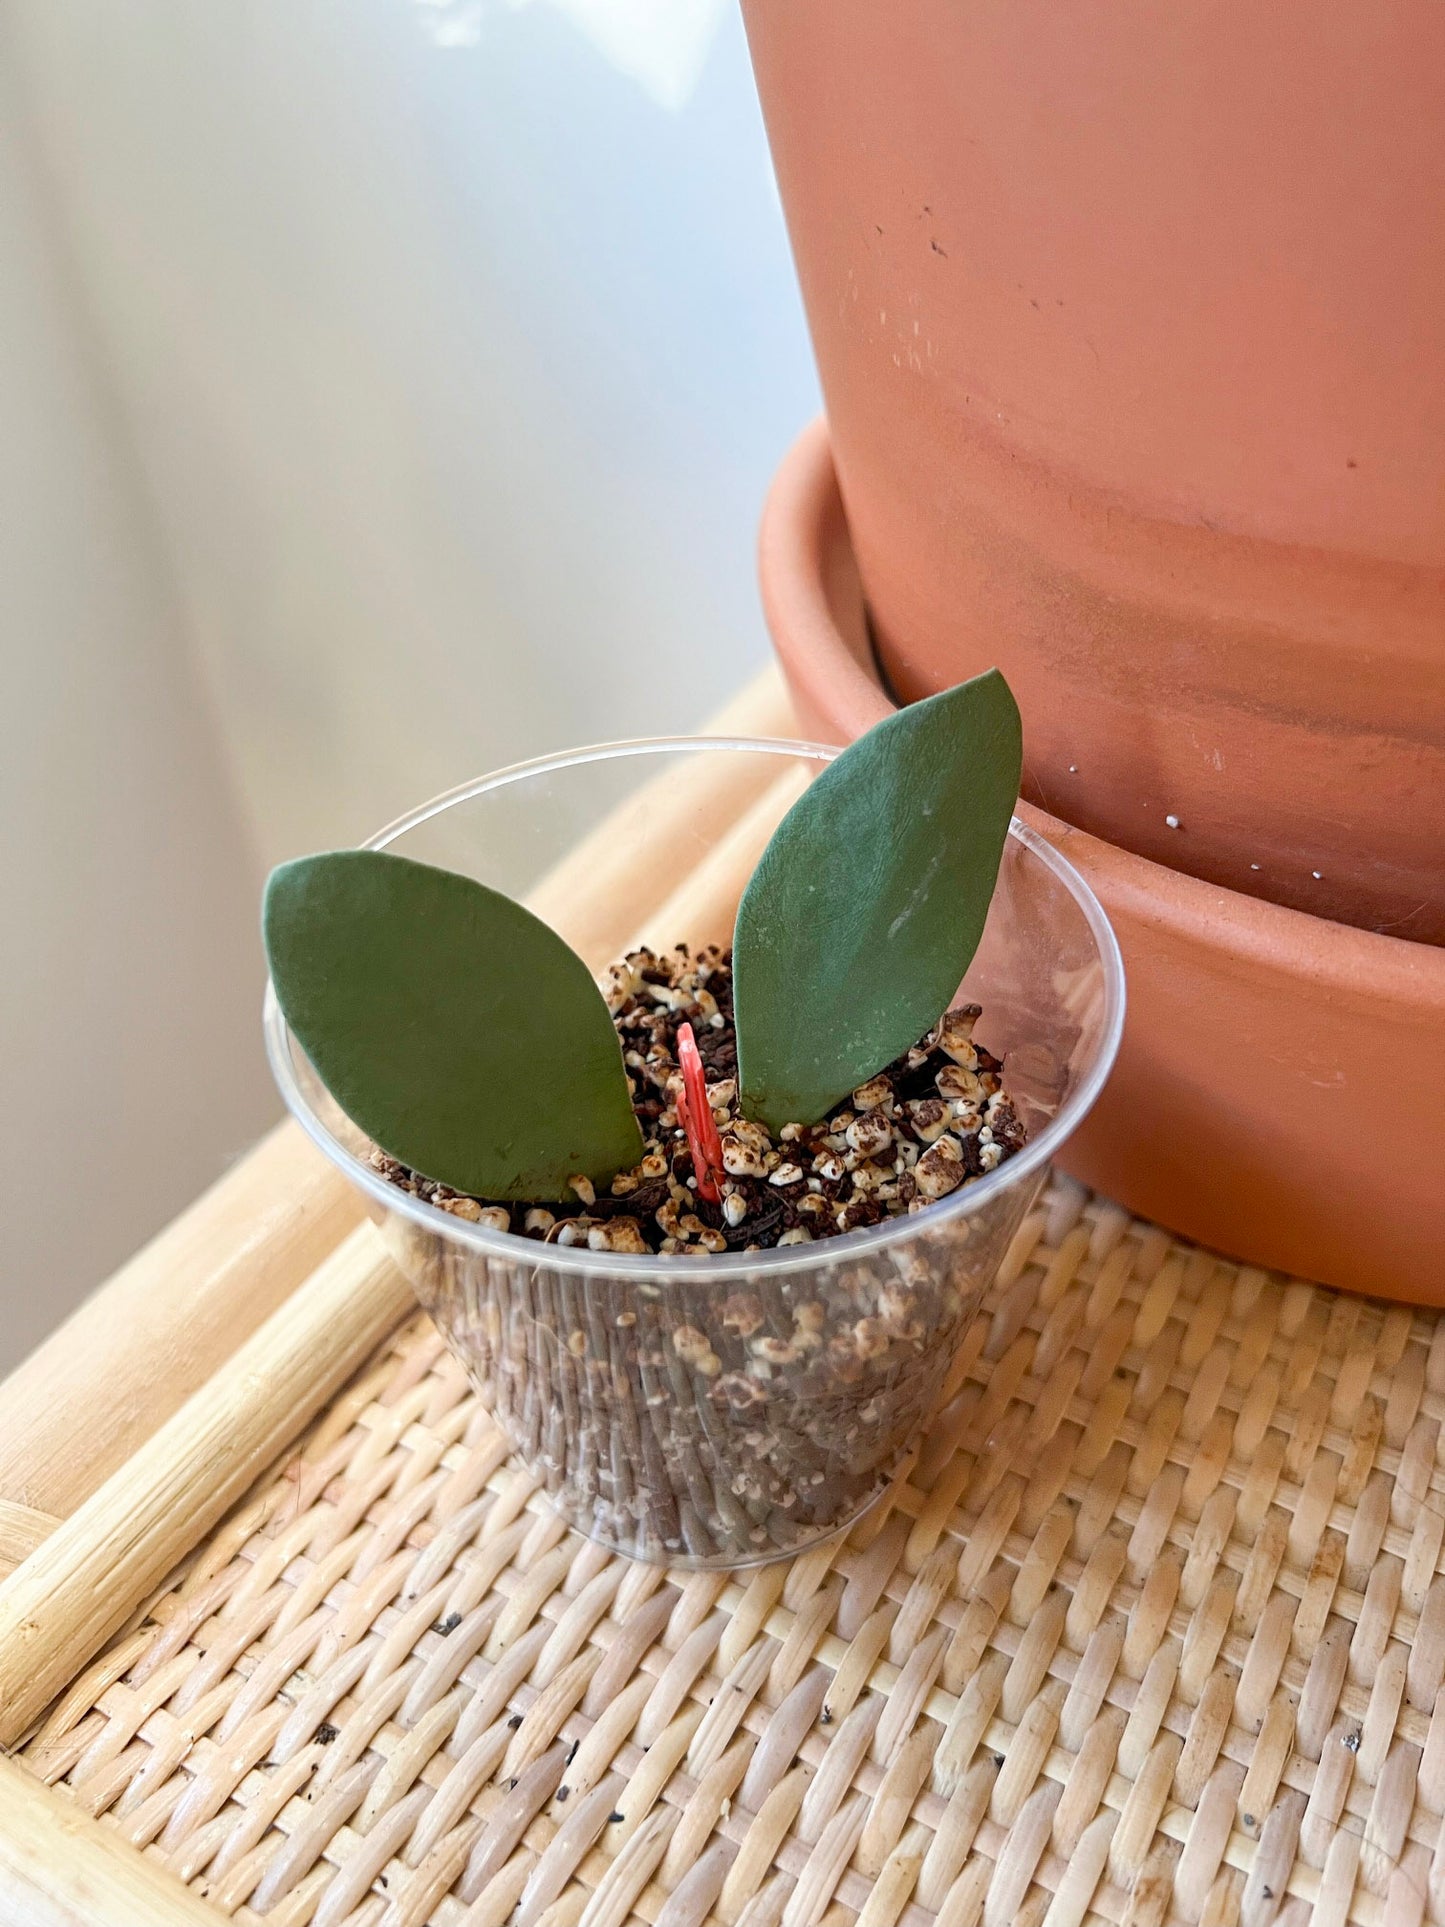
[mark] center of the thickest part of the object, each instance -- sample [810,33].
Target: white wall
[415,404]
[129,982]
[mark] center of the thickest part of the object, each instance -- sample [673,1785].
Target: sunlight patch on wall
[661,44]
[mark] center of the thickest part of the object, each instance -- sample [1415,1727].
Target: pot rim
[653,1267]
[803,550]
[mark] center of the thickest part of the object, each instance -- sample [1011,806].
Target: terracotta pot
[1131,327]
[1278,1093]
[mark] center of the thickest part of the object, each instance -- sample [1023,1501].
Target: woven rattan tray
[1152,1628]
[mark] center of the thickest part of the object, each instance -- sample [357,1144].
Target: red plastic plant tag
[695,1115]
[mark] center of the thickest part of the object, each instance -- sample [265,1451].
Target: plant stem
[696,1117]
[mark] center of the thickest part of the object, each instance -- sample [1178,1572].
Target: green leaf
[452,1025]
[863,915]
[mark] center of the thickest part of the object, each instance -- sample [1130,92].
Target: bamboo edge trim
[61,1603]
[131,1354]
[22,1529]
[60,1868]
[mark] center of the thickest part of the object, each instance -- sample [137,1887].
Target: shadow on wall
[392,410]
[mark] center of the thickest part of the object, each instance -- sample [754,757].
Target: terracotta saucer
[1280,1091]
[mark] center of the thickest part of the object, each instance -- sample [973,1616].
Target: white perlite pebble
[940,1169]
